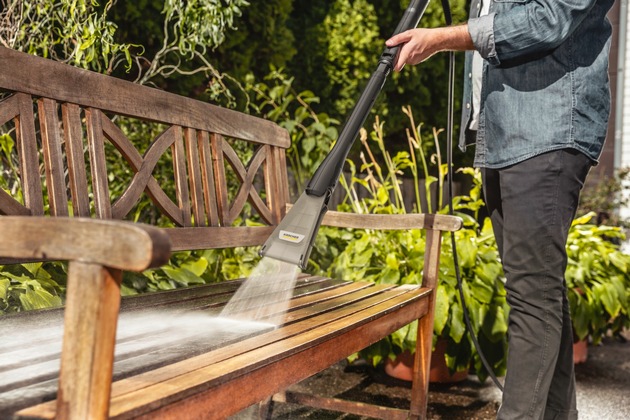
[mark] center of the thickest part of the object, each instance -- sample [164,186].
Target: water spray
[292,240]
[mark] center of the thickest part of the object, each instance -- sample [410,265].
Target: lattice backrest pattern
[65,121]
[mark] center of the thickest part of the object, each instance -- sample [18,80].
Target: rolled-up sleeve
[481,31]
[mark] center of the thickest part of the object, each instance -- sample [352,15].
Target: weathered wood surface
[392,221]
[338,317]
[116,244]
[87,354]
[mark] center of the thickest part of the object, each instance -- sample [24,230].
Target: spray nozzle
[292,240]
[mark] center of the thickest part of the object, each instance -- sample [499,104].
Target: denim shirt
[545,79]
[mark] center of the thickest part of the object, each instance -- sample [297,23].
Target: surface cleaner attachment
[293,238]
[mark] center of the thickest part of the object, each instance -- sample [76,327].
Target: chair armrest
[117,244]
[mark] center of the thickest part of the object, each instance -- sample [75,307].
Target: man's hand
[419,44]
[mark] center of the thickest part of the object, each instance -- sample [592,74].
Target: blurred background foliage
[328,47]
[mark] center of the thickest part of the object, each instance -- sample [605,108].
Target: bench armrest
[98,251]
[435,225]
[392,221]
[348,220]
[116,244]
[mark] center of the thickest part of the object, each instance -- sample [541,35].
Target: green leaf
[458,326]
[583,220]
[608,295]
[127,291]
[197,267]
[481,291]
[441,309]
[182,276]
[581,316]
[466,251]
[620,261]
[34,296]
[389,276]
[392,261]
[4,288]
[398,337]
[32,267]
[495,324]
[165,285]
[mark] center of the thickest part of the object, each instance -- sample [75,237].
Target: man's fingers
[401,59]
[400,38]
[402,54]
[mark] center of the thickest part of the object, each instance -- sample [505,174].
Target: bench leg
[265,409]
[424,343]
[421,368]
[93,301]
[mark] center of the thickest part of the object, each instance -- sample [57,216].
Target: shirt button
[470,75]
[478,6]
[468,105]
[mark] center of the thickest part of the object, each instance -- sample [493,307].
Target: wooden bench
[65,121]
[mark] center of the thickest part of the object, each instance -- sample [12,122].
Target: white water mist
[265,294]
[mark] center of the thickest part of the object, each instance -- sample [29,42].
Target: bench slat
[213,237]
[195,182]
[144,351]
[53,158]
[65,83]
[41,363]
[209,188]
[181,178]
[98,167]
[310,305]
[77,175]
[207,291]
[28,369]
[29,159]
[214,303]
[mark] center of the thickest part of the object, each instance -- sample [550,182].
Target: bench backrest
[65,121]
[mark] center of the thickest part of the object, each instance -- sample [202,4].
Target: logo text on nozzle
[292,237]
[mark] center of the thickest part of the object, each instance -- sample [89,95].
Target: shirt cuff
[481,31]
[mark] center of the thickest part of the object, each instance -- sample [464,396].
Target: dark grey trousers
[532,205]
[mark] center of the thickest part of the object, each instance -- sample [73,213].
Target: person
[536,105]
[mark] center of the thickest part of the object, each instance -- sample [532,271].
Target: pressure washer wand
[293,238]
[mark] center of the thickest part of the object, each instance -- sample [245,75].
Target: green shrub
[598,278]
[598,273]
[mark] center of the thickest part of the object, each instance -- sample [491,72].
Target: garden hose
[449,161]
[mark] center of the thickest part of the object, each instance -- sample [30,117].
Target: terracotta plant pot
[439,371]
[402,366]
[580,351]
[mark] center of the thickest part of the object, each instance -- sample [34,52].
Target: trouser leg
[532,205]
